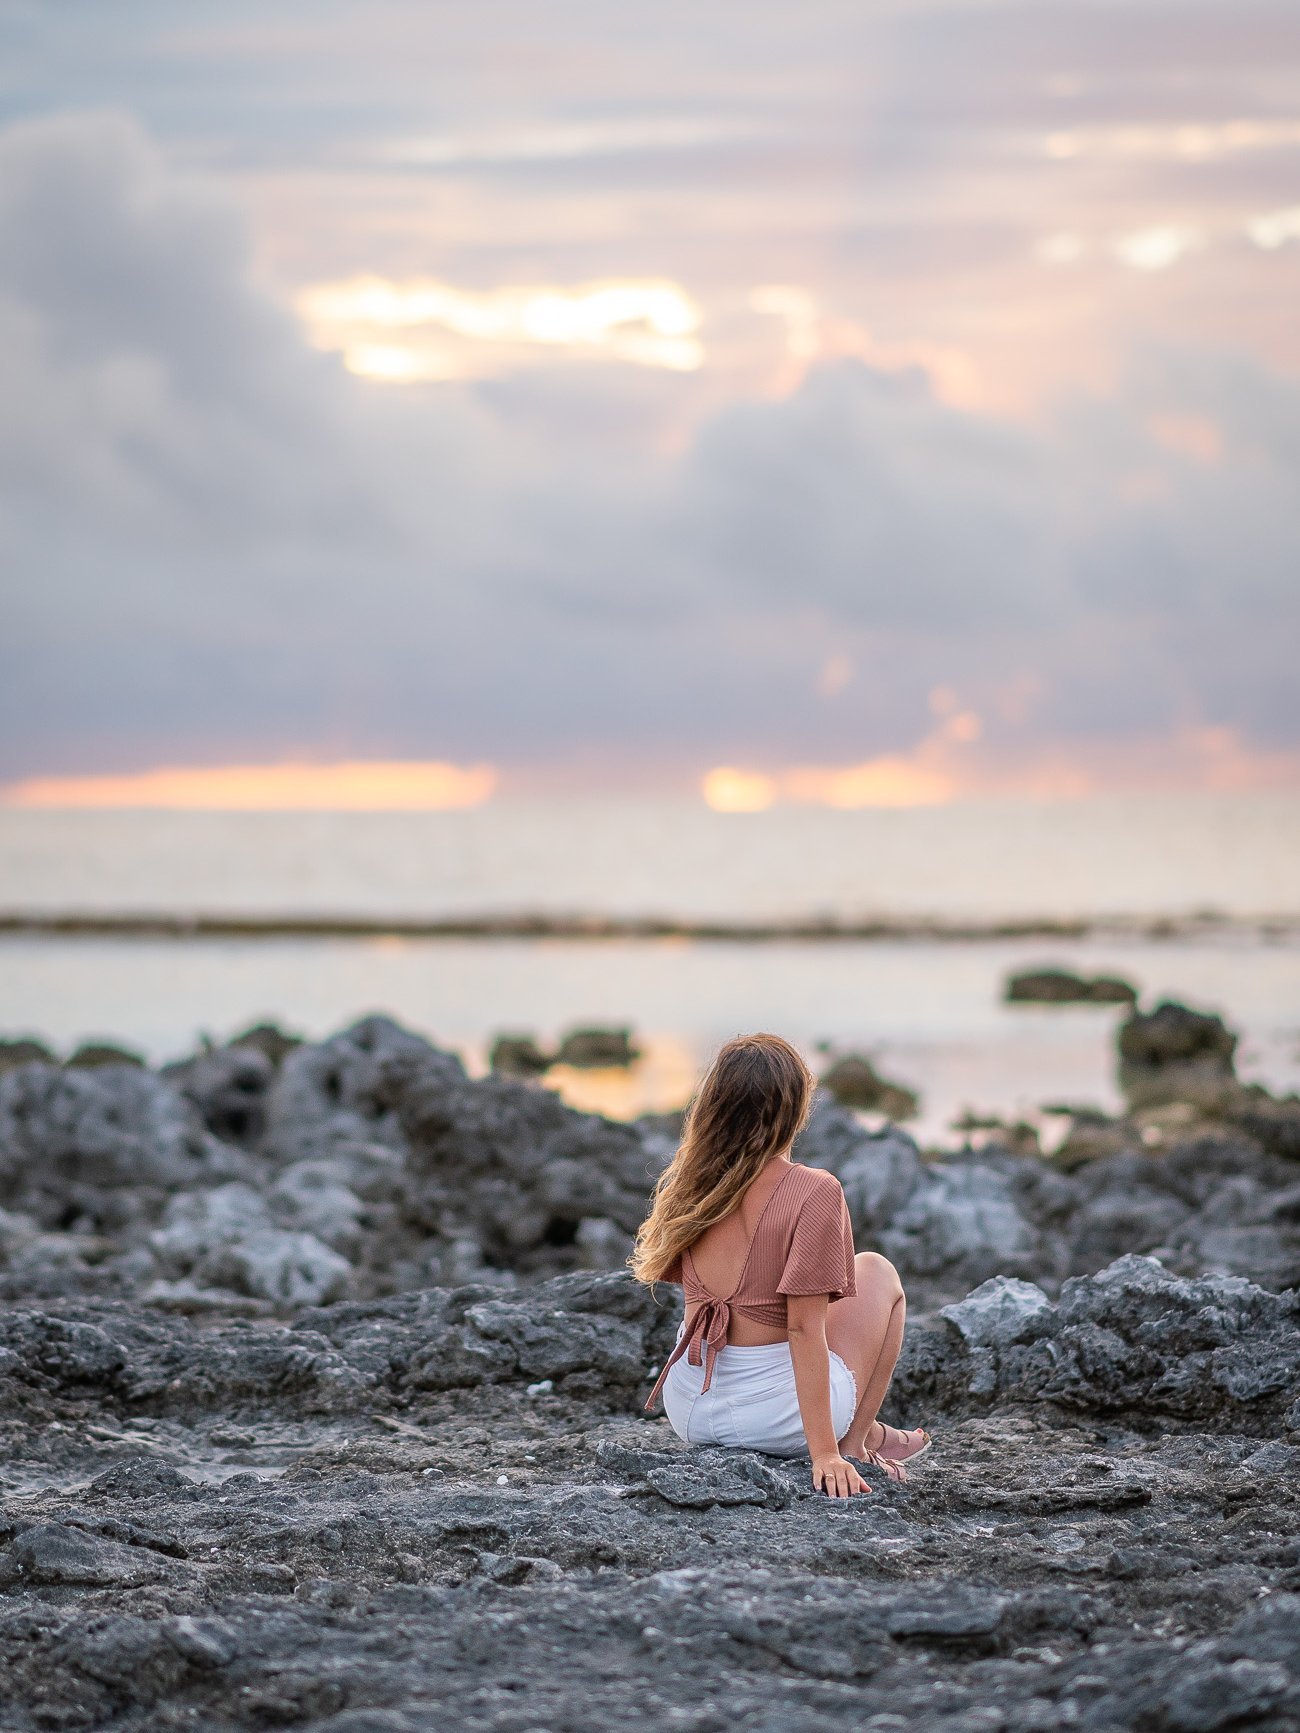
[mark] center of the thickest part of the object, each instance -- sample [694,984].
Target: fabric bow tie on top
[701,1344]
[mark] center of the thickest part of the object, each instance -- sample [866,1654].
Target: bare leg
[866,1331]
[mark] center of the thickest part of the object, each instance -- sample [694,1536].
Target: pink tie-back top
[802,1244]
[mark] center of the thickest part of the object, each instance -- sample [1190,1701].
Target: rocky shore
[321,1385]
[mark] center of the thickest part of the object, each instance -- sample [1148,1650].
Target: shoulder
[819,1183]
[818,1195]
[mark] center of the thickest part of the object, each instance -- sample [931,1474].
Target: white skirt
[751,1403]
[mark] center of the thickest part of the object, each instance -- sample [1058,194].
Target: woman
[788,1341]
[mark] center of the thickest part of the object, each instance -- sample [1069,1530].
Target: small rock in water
[95,1053]
[519,1056]
[854,1082]
[1176,1054]
[1064,987]
[592,1049]
[268,1039]
[24,1051]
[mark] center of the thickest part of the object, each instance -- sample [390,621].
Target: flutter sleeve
[820,1255]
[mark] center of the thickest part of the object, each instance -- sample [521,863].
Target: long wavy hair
[752,1103]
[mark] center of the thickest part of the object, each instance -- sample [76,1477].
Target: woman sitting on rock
[789,1341]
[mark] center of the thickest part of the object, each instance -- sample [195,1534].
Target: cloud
[1186,141]
[222,549]
[150,388]
[1158,248]
[615,136]
[1273,229]
[862,493]
[425,330]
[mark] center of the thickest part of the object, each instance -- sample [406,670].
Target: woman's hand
[835,1476]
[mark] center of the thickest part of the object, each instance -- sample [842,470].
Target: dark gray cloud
[864,494]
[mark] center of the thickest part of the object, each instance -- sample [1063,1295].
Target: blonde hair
[752,1103]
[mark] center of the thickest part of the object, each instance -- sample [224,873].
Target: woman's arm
[806,1324]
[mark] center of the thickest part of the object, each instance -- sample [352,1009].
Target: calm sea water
[1236,853]
[931,1013]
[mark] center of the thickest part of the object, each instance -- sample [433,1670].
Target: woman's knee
[878,1274]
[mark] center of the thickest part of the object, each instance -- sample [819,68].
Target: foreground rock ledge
[444,1509]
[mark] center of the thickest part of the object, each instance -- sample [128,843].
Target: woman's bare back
[719,1254]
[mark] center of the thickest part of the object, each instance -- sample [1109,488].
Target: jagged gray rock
[444,1508]
[1135,1339]
[879,1170]
[378,1146]
[85,1144]
[425,1505]
[228,1086]
[997,1312]
[963,1221]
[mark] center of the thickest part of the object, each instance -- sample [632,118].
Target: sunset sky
[820,401]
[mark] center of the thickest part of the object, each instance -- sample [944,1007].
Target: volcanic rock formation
[321,1406]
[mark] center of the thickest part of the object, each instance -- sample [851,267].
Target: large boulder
[945,1225]
[228,1086]
[337,1099]
[511,1164]
[961,1223]
[879,1170]
[1135,1340]
[100,1147]
[227,1238]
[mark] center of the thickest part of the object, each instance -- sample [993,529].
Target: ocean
[1193,897]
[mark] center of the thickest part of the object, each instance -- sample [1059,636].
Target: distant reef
[547,925]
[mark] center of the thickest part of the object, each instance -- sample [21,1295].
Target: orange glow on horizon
[728,790]
[952,762]
[889,781]
[947,766]
[352,786]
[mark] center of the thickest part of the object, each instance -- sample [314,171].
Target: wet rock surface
[320,1400]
